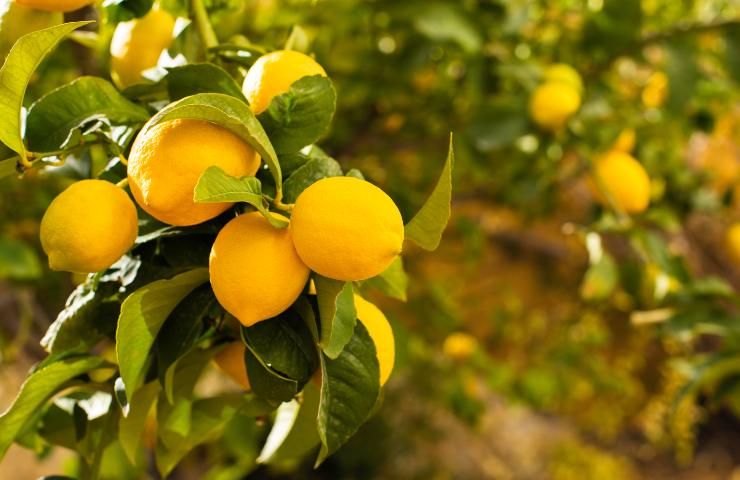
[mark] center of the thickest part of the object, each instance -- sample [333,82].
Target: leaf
[302,115]
[337,314]
[16,72]
[267,383]
[18,261]
[123,10]
[142,315]
[440,21]
[294,432]
[54,116]
[191,79]
[131,427]
[499,125]
[350,387]
[230,113]
[392,282]
[37,389]
[683,75]
[215,185]
[427,226]
[8,166]
[311,172]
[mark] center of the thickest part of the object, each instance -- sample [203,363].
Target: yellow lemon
[563,73]
[17,20]
[625,181]
[732,240]
[625,141]
[255,271]
[274,73]
[230,360]
[381,333]
[137,44]
[656,90]
[55,5]
[552,104]
[167,160]
[88,227]
[459,346]
[346,228]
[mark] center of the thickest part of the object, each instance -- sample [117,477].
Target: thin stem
[123,183]
[122,158]
[205,29]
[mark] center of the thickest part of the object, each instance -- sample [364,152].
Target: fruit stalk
[205,29]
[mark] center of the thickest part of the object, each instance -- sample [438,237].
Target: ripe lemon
[552,104]
[732,239]
[274,73]
[656,90]
[563,73]
[381,333]
[17,20]
[459,346]
[255,271]
[625,180]
[346,228]
[137,44]
[88,227]
[167,160]
[55,5]
[230,360]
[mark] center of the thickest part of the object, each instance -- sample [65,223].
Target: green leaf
[443,22]
[267,383]
[301,115]
[131,427]
[54,116]
[123,10]
[8,166]
[142,315]
[18,261]
[37,389]
[294,432]
[16,72]
[215,185]
[191,79]
[683,74]
[350,387]
[427,226]
[230,113]
[499,125]
[392,282]
[308,174]
[337,314]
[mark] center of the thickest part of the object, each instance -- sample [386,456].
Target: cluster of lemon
[342,228]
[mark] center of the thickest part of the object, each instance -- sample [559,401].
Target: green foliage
[337,314]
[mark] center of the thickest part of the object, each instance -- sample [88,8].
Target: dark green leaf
[195,78]
[337,314]
[267,383]
[308,174]
[124,10]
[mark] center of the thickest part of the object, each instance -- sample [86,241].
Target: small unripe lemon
[656,90]
[55,5]
[255,271]
[625,180]
[230,360]
[274,73]
[459,346]
[346,228]
[564,73]
[17,20]
[380,332]
[552,104]
[88,227]
[167,160]
[137,45]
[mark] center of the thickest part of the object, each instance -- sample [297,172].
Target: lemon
[137,45]
[274,73]
[625,181]
[459,346]
[17,20]
[55,5]
[255,271]
[552,104]
[732,240]
[563,73]
[656,90]
[346,228]
[230,360]
[625,141]
[380,332]
[167,160]
[88,227]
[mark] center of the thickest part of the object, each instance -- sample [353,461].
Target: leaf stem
[205,29]
[123,183]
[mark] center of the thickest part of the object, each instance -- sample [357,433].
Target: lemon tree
[216,236]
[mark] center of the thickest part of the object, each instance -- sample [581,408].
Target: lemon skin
[381,333]
[137,45]
[55,5]
[230,360]
[88,227]
[552,104]
[274,73]
[167,160]
[346,228]
[564,73]
[625,180]
[17,20]
[255,271]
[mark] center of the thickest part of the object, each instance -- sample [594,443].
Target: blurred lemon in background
[230,360]
[552,104]
[55,5]
[624,180]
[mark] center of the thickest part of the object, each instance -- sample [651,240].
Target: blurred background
[548,337]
